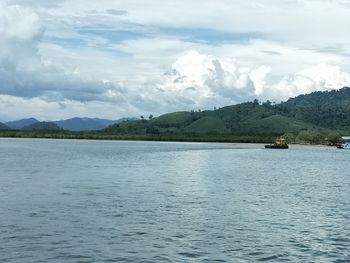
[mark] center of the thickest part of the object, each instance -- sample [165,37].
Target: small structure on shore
[346,144]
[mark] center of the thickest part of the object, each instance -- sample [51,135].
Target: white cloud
[36,3]
[259,77]
[327,76]
[13,107]
[20,31]
[131,64]
[24,73]
[206,81]
[281,20]
[320,77]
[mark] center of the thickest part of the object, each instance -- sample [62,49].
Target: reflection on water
[91,201]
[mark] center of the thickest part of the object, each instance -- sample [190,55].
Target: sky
[125,58]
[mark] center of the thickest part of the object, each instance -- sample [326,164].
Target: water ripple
[151,202]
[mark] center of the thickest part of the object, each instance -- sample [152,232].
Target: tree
[334,138]
[290,137]
[152,130]
[150,117]
[310,136]
[267,104]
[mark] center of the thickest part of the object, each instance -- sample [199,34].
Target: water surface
[105,201]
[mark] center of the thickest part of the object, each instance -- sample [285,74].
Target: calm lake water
[104,201]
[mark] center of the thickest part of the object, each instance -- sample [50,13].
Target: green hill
[207,124]
[244,112]
[329,109]
[274,125]
[244,119]
[176,119]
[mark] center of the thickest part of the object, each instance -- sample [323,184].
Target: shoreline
[97,136]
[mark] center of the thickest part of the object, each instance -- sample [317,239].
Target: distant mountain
[47,126]
[86,124]
[3,126]
[73,124]
[17,125]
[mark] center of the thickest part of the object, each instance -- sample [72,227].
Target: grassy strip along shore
[302,138]
[147,137]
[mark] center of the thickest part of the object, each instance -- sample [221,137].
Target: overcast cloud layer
[110,59]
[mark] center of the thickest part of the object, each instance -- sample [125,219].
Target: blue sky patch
[210,36]
[65,42]
[112,35]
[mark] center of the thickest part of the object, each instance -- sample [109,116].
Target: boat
[345,146]
[279,143]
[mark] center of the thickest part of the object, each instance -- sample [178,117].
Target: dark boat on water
[279,143]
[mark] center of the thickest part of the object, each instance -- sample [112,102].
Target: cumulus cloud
[20,31]
[204,80]
[320,77]
[327,76]
[24,73]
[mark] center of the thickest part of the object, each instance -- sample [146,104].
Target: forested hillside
[330,109]
[247,119]
[309,117]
